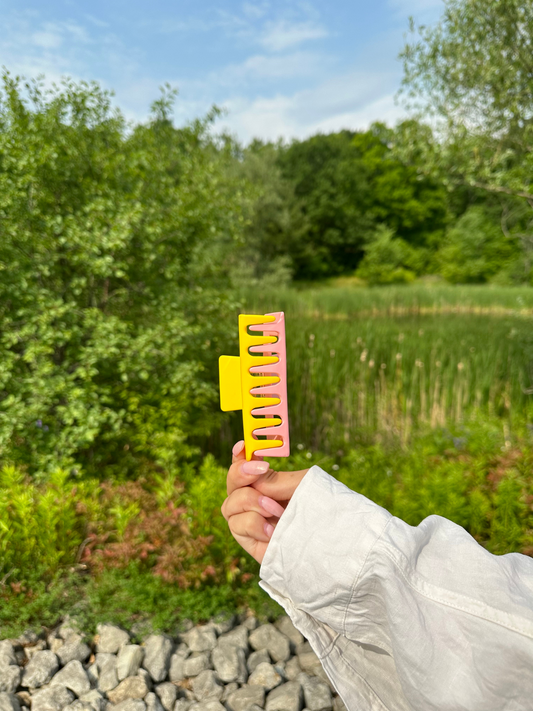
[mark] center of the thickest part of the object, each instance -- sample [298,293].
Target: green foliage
[474,250]
[386,259]
[113,290]
[471,71]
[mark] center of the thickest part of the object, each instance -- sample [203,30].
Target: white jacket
[402,618]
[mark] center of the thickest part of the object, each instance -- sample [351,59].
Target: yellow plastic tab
[229,368]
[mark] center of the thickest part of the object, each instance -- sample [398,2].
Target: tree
[112,289]
[472,73]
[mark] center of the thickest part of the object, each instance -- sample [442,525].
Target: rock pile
[226,665]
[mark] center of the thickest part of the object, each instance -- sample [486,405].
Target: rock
[223,623]
[78,706]
[28,637]
[269,638]
[93,673]
[201,639]
[8,702]
[7,653]
[74,677]
[317,694]
[285,626]
[24,698]
[251,623]
[208,705]
[40,669]
[245,697]
[107,671]
[206,685]
[167,693]
[134,687]
[152,702]
[287,697]
[230,663]
[257,658]
[143,674]
[129,660]
[74,648]
[111,639]
[183,705]
[53,698]
[228,689]
[338,704]
[10,678]
[292,668]
[238,637]
[68,628]
[157,651]
[197,663]
[38,647]
[266,676]
[308,660]
[129,705]
[95,699]
[176,670]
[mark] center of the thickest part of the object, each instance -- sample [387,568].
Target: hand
[257,497]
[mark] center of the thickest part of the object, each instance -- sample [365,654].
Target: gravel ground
[230,664]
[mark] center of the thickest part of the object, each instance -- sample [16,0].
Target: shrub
[387,260]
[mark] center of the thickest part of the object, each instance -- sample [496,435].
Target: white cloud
[283,34]
[261,67]
[352,101]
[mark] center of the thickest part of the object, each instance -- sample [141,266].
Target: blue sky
[279,69]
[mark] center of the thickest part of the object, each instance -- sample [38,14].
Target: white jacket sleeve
[402,618]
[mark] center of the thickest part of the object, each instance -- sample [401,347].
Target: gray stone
[285,626]
[143,674]
[74,677]
[287,697]
[197,663]
[201,639]
[95,699]
[292,668]
[74,648]
[317,694]
[40,669]
[129,705]
[308,660]
[167,693]
[28,637]
[266,676]
[157,652]
[39,646]
[183,705]
[107,671]
[129,660]
[223,623]
[93,673]
[7,653]
[228,689]
[257,658]
[10,678]
[134,687]
[268,637]
[176,670]
[207,705]
[55,643]
[206,685]
[69,627]
[230,663]
[238,637]
[8,702]
[78,706]
[245,697]
[111,639]
[53,698]
[152,702]
[24,699]
[251,623]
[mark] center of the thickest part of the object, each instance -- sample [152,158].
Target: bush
[113,291]
[386,260]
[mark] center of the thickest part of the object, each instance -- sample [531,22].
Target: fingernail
[255,468]
[271,506]
[237,448]
[269,529]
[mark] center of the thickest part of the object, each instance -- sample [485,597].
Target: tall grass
[374,363]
